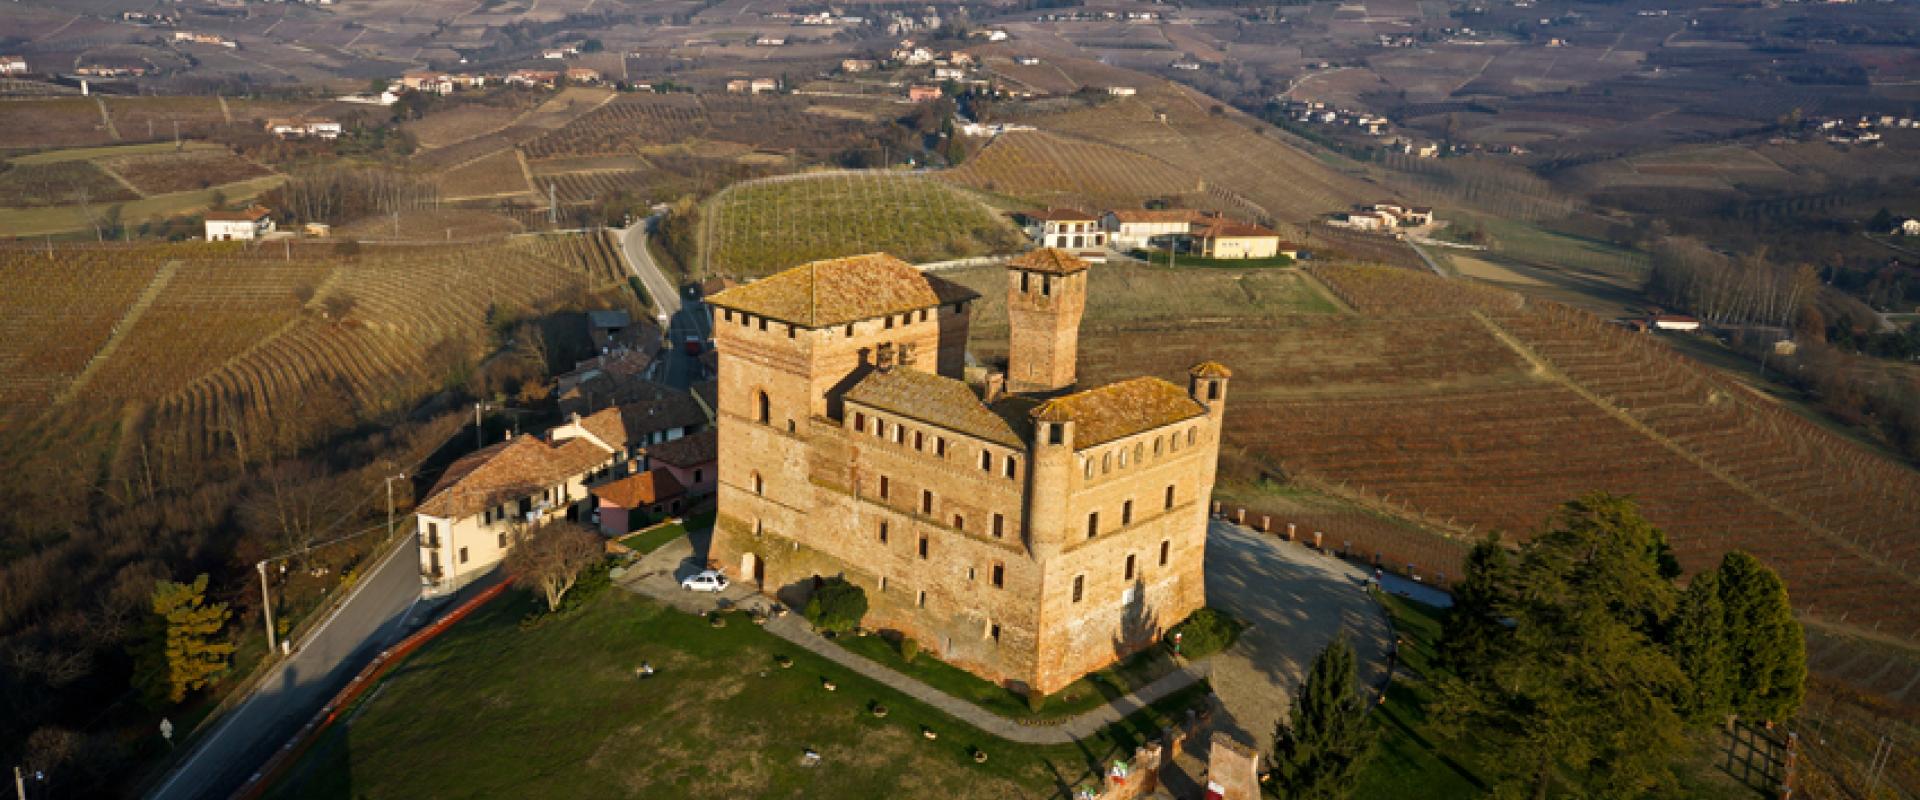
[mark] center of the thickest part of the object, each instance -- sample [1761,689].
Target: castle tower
[1046,295]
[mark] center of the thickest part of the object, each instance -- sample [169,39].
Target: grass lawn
[652,539]
[1159,258]
[492,709]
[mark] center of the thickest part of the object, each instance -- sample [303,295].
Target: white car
[708,581]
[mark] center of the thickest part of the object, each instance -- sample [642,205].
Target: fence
[1852,753]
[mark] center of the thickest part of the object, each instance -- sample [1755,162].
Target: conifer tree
[194,652]
[1473,633]
[1767,649]
[1319,748]
[1699,644]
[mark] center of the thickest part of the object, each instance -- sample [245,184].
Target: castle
[1027,530]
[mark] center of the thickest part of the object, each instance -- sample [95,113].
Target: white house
[1122,91]
[1674,322]
[247,225]
[1222,238]
[467,522]
[1910,228]
[13,65]
[302,127]
[1367,221]
[1131,229]
[1067,229]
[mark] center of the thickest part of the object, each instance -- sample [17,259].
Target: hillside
[760,227]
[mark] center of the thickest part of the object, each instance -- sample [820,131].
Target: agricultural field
[498,174]
[52,327]
[58,184]
[1131,295]
[1049,170]
[761,227]
[633,123]
[162,173]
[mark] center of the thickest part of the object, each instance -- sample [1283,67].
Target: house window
[433,532]
[729,314]
[986,461]
[503,541]
[923,315]
[959,308]
[1129,566]
[1169,495]
[1079,583]
[1023,282]
[1093,524]
[999,575]
[883,487]
[883,531]
[999,526]
[926,501]
[696,476]
[463,555]
[1126,513]
[1046,285]
[1163,552]
[923,546]
[763,407]
[1213,390]
[1056,433]
[1013,468]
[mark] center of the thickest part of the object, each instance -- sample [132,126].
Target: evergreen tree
[1319,748]
[1580,687]
[1766,646]
[193,650]
[1699,644]
[1473,633]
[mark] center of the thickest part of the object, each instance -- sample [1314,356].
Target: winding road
[687,317]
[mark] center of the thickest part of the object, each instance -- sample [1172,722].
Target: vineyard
[636,121]
[160,173]
[760,227]
[51,327]
[58,184]
[1050,170]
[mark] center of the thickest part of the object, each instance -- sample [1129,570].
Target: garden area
[651,539]
[1163,258]
[558,709]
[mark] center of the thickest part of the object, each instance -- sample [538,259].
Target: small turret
[1050,478]
[1207,385]
[1046,295]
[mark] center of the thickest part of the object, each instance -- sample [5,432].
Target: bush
[1205,632]
[909,649]
[1035,701]
[836,606]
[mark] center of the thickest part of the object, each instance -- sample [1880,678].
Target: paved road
[375,614]
[687,316]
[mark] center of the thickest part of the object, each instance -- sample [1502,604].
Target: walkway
[1296,599]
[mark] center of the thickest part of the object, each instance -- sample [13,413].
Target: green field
[652,539]
[555,710]
[73,218]
[764,227]
[1532,244]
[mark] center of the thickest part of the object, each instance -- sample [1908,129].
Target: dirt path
[106,118]
[225,111]
[121,179]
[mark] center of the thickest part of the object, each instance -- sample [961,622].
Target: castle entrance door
[753,568]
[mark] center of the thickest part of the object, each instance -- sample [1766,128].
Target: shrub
[1205,632]
[1035,700]
[909,649]
[836,606]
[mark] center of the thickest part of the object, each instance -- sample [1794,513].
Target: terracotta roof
[1210,369]
[708,395]
[1061,215]
[633,422]
[249,214]
[508,472]
[688,451]
[1233,229]
[640,489]
[1118,410]
[1051,260]
[935,400]
[1187,215]
[841,290]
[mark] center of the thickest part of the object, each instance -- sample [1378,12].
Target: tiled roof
[1210,369]
[1161,215]
[250,214]
[1118,410]
[708,394]
[934,400]
[1051,260]
[633,422]
[688,451]
[1061,215]
[508,472]
[842,290]
[640,489]
[1233,229]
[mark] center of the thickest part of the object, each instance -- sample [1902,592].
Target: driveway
[1297,600]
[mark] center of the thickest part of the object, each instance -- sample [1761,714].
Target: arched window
[1157,442]
[1140,451]
[762,408]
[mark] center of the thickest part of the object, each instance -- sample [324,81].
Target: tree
[1578,685]
[1881,222]
[550,558]
[1474,633]
[1699,644]
[189,652]
[836,606]
[1764,642]
[1319,748]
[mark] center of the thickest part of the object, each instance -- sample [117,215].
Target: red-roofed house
[236,226]
[467,520]
[1229,239]
[638,499]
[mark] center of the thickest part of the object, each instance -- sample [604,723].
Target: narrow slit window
[1163,552]
[923,546]
[1129,566]
[1079,584]
[999,526]
[1093,524]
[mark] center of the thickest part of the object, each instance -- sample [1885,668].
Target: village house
[13,65]
[1067,229]
[303,127]
[623,431]
[427,82]
[1674,322]
[1151,228]
[851,65]
[920,93]
[189,37]
[540,78]
[1029,530]
[770,41]
[467,521]
[609,379]
[949,73]
[1122,91]
[583,76]
[1909,228]
[1369,221]
[638,500]
[693,461]
[1223,238]
[239,226]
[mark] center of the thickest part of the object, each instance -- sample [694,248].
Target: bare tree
[550,558]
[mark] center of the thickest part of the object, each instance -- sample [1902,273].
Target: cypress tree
[194,653]
[1767,649]
[1699,643]
[1319,748]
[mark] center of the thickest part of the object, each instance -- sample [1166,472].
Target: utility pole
[19,783]
[479,434]
[266,603]
[390,479]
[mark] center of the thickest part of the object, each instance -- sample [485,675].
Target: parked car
[709,581]
[693,345]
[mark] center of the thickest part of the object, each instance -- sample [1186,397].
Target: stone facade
[1030,538]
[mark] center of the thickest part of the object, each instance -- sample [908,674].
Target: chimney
[994,388]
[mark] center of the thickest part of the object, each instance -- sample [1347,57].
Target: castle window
[1139,451]
[959,522]
[889,322]
[1190,434]
[883,531]
[1213,390]
[920,600]
[971,574]
[1106,463]
[994,633]
[1157,442]
[986,461]
[1129,566]
[792,331]
[1169,495]
[1123,458]
[759,484]
[923,315]
[1079,584]
[859,421]
[1089,469]
[1046,283]
[1056,434]
[1023,282]
[926,501]
[1093,524]
[1163,552]
[919,440]
[999,526]
[899,434]
[883,583]
[729,314]
[696,476]
[1173,443]
[959,308]
[940,446]
[1013,468]
[849,329]
[763,407]
[999,575]
[923,546]
[883,487]
[763,323]
[1126,513]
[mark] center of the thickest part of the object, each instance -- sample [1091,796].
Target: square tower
[1046,296]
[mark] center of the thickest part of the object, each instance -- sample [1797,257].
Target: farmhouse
[543,78]
[1029,535]
[467,521]
[1229,239]
[1150,228]
[1369,221]
[858,65]
[245,225]
[1909,228]
[919,93]
[303,127]
[638,499]
[13,65]
[1067,229]
[692,460]
[583,75]
[626,429]
[1674,322]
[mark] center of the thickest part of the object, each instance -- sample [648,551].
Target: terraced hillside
[759,227]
